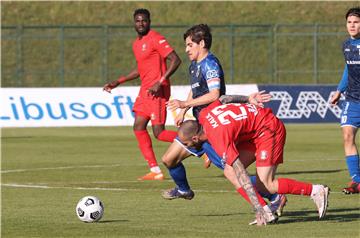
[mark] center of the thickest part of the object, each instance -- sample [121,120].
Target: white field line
[15,185]
[60,168]
[118,165]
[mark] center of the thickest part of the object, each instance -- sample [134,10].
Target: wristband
[121,80]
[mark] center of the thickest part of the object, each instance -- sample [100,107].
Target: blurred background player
[350,84]
[207,85]
[151,51]
[239,126]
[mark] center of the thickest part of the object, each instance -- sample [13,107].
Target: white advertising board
[57,107]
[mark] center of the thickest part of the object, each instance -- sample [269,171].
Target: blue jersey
[202,75]
[350,82]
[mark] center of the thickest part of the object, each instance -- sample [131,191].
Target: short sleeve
[161,45]
[212,72]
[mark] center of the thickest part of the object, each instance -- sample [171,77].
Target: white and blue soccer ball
[90,209]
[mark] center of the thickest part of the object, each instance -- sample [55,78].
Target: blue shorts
[350,115]
[208,150]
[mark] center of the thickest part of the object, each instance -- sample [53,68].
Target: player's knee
[269,185]
[139,127]
[348,138]
[157,134]
[169,162]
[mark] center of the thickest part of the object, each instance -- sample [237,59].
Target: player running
[350,84]
[151,51]
[235,129]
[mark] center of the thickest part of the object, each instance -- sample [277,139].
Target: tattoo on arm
[245,182]
[224,99]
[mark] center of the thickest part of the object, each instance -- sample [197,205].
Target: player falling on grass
[151,51]
[350,84]
[234,130]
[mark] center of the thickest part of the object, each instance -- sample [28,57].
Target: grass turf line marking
[118,165]
[15,185]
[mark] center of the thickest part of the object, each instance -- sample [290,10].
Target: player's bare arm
[181,115]
[122,79]
[174,63]
[335,98]
[191,102]
[245,183]
[257,98]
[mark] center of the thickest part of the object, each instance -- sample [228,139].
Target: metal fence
[73,56]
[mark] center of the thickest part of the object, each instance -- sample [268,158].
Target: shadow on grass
[283,173]
[335,215]
[218,215]
[311,172]
[111,221]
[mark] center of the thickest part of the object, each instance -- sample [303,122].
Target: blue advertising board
[303,104]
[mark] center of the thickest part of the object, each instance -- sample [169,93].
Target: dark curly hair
[198,33]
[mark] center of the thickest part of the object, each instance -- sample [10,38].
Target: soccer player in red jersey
[234,128]
[151,51]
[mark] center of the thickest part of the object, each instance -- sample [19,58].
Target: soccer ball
[89,209]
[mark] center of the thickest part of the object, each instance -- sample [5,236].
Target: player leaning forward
[151,51]
[235,128]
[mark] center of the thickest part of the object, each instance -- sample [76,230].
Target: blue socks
[178,174]
[352,162]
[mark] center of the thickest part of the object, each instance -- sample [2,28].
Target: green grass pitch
[45,171]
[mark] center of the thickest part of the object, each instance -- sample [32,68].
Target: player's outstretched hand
[179,119]
[175,104]
[109,86]
[335,98]
[259,98]
[260,219]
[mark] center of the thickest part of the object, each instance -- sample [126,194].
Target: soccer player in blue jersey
[207,85]
[350,85]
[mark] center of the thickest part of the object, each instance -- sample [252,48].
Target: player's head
[142,21]
[198,40]
[353,22]
[191,134]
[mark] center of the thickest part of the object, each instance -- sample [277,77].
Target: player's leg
[352,159]
[162,134]
[350,122]
[277,201]
[246,158]
[318,193]
[237,171]
[158,112]
[172,159]
[269,155]
[145,146]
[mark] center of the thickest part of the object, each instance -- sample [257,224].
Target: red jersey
[150,52]
[229,125]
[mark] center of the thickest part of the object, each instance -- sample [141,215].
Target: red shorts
[153,108]
[270,146]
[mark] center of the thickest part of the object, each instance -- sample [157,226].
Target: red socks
[290,186]
[242,192]
[145,146]
[167,136]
